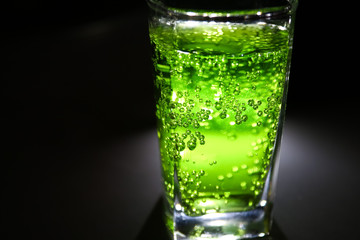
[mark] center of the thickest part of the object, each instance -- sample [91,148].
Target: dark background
[79,146]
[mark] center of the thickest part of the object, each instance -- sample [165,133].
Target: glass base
[227,226]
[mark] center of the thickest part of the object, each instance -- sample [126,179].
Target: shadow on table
[154,227]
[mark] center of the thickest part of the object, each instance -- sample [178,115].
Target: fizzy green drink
[219,92]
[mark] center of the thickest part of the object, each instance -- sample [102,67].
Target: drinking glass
[221,71]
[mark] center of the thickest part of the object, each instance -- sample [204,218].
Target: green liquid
[219,90]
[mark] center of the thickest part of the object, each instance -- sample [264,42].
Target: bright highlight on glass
[221,83]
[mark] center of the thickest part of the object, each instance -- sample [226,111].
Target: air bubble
[218,105]
[221,177]
[196,124]
[174,136]
[223,114]
[172,115]
[172,105]
[191,144]
[181,146]
[173,124]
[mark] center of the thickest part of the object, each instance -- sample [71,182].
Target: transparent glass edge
[213,14]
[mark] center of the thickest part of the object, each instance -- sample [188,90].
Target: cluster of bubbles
[186,117]
[195,92]
[176,143]
[182,115]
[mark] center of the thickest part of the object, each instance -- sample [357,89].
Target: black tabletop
[80,144]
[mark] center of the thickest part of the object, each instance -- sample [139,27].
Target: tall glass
[221,72]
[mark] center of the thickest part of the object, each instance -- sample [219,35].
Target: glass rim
[251,14]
